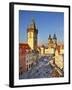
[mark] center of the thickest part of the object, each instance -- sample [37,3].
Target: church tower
[50,42]
[55,40]
[32,35]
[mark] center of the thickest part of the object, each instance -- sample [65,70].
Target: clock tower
[32,35]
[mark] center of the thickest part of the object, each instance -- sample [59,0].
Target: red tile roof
[58,48]
[24,46]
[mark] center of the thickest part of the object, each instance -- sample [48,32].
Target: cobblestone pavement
[42,69]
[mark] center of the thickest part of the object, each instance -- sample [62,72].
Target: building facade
[27,57]
[59,57]
[23,50]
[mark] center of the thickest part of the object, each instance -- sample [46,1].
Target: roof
[39,48]
[32,27]
[43,46]
[24,46]
[58,48]
[62,46]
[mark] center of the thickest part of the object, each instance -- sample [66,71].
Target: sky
[46,22]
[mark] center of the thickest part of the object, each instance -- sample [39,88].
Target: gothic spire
[49,36]
[33,25]
[54,37]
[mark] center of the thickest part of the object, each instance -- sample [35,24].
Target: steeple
[55,40]
[49,36]
[54,37]
[32,26]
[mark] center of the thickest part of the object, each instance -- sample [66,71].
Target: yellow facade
[42,51]
[49,51]
[31,40]
[61,51]
[32,36]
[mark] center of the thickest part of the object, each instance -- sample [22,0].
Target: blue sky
[46,22]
